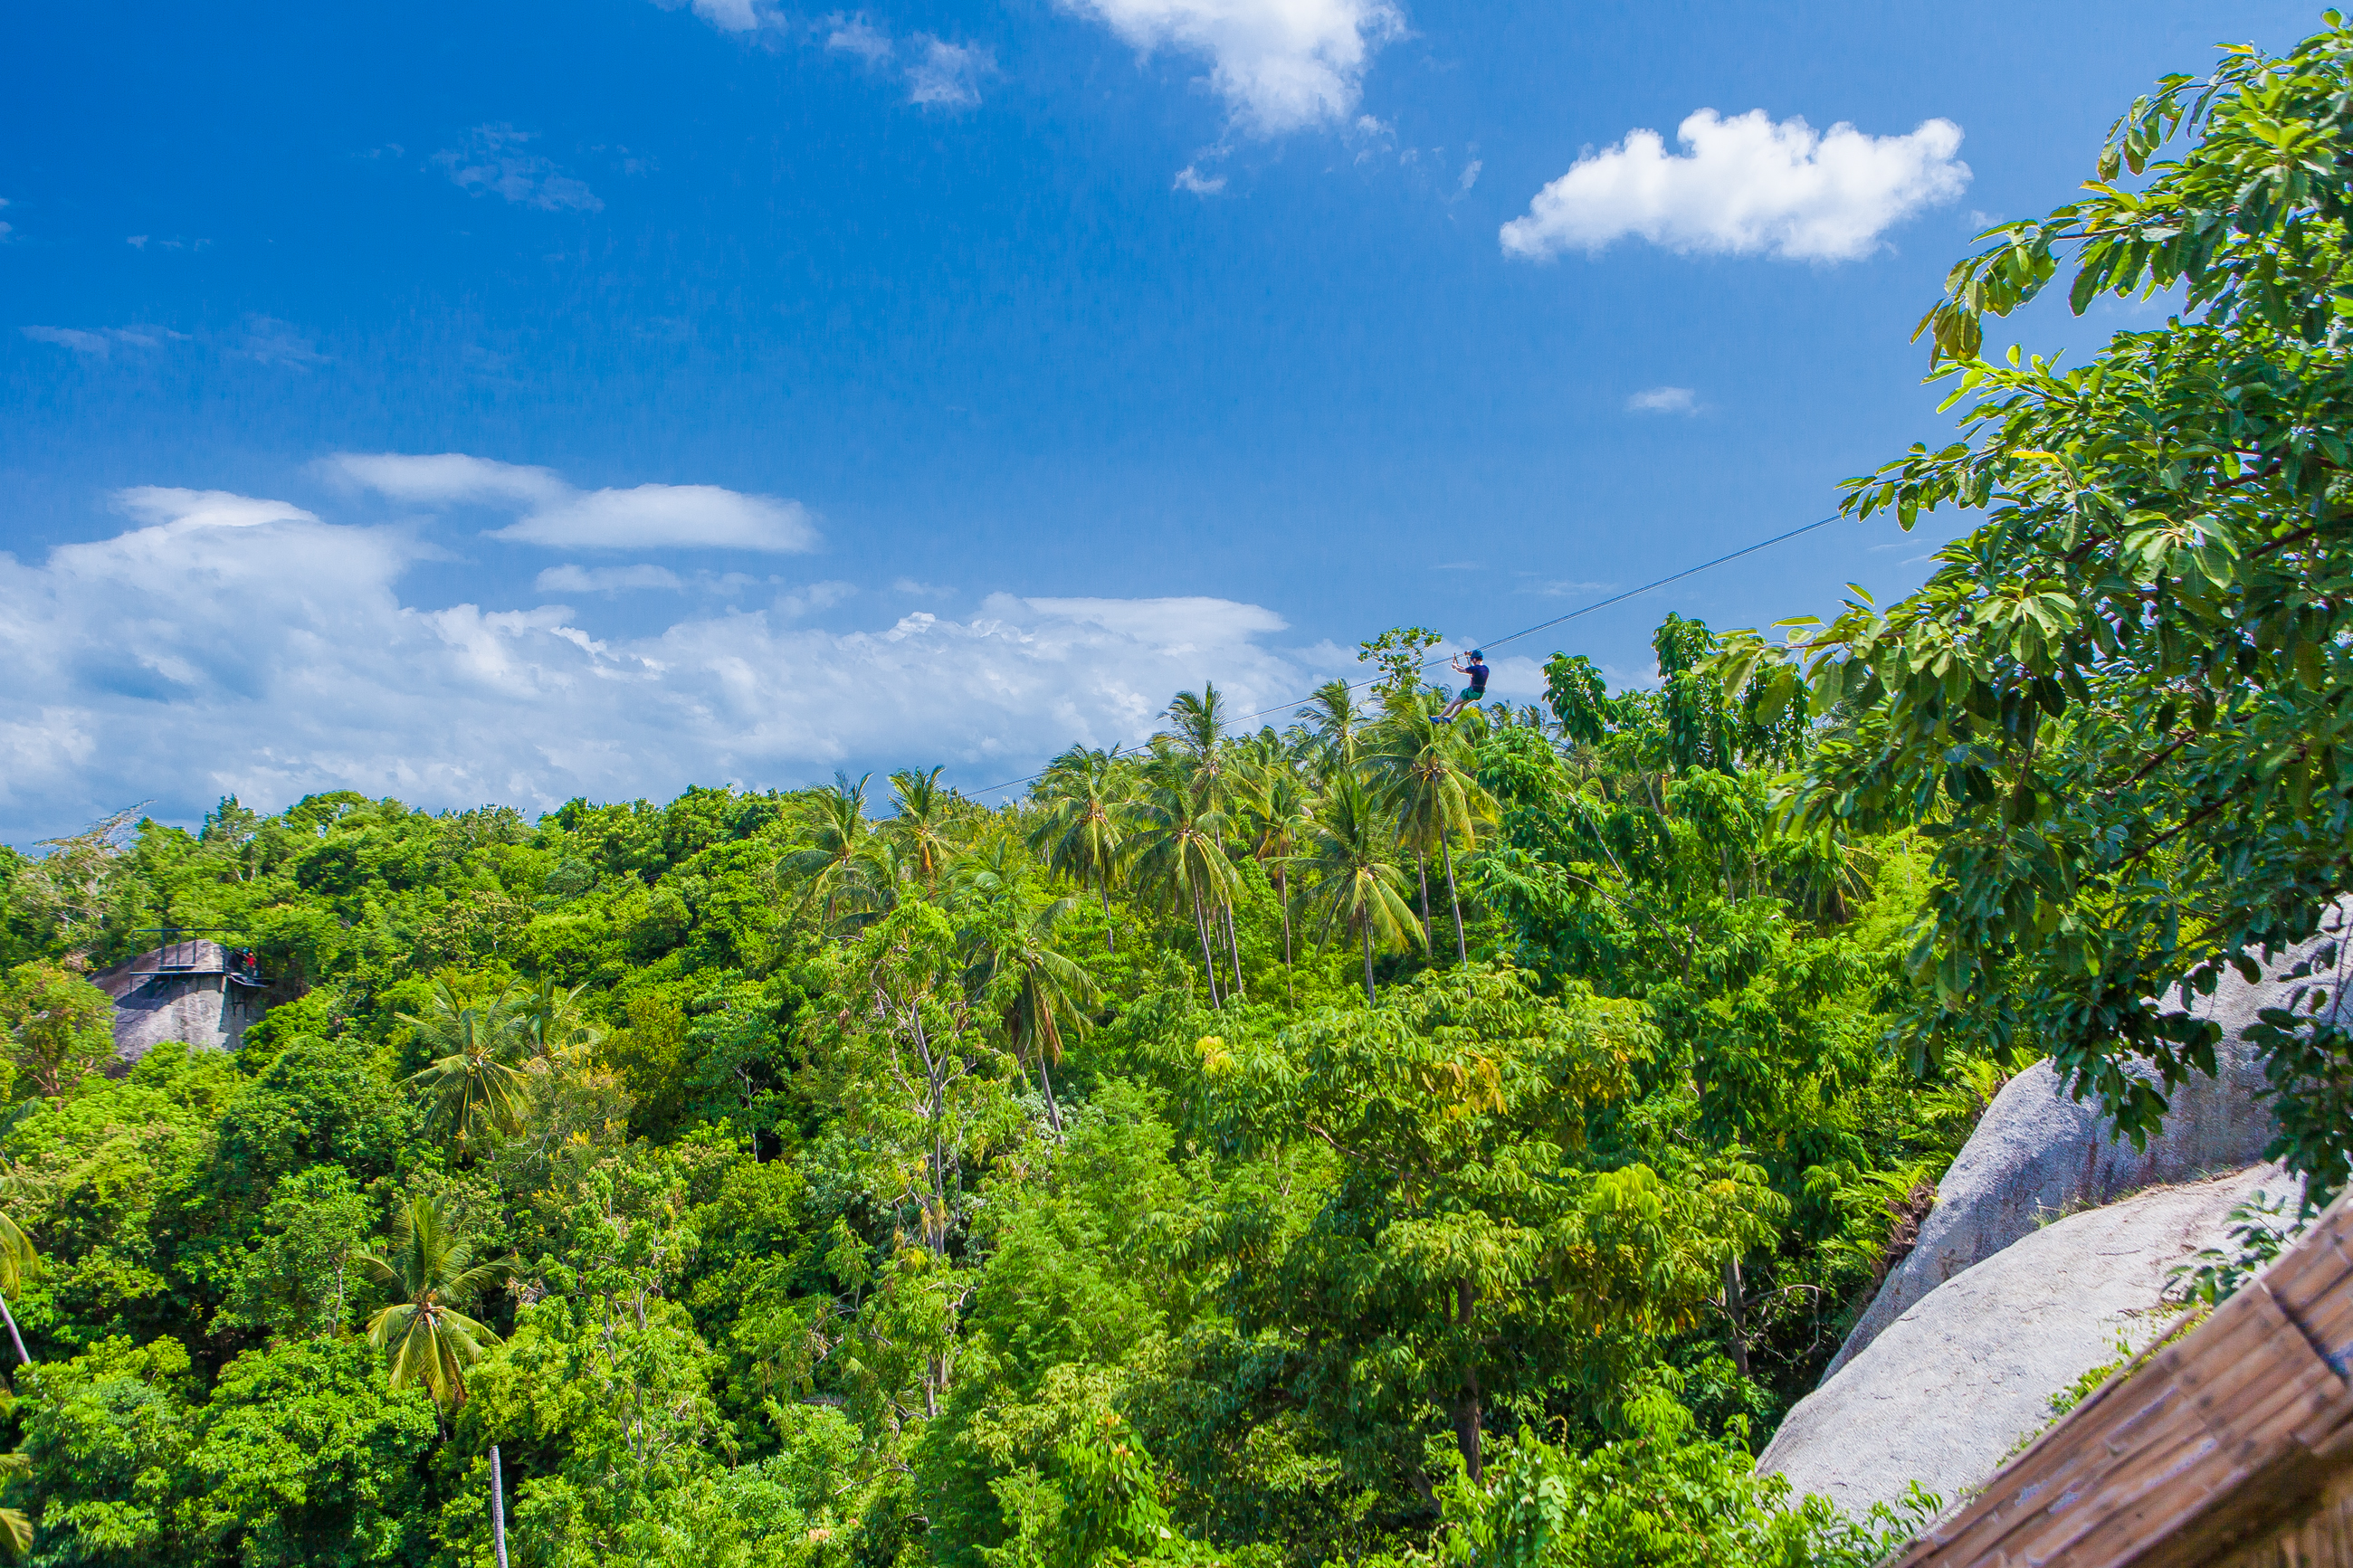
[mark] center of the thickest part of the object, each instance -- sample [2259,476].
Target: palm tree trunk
[1370,1000]
[1461,947]
[1053,1111]
[13,1337]
[1282,891]
[1108,946]
[498,1508]
[1421,870]
[1208,965]
[1234,946]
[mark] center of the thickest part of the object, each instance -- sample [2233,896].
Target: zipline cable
[1523,632]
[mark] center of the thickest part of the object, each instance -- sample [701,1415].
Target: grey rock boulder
[1949,1388]
[2037,1152]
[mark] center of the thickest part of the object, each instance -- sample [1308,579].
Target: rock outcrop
[195,991]
[1952,1385]
[2037,1152]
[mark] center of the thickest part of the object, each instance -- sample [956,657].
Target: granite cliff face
[2039,1154]
[1949,1388]
[2051,1244]
[196,990]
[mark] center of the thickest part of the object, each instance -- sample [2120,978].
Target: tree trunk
[498,1508]
[1735,1308]
[1467,1412]
[1234,945]
[1421,870]
[1461,947]
[1369,999]
[1282,891]
[13,1337]
[1208,963]
[1108,946]
[1053,1111]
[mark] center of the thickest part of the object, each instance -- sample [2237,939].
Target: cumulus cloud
[230,643]
[1189,178]
[1663,400]
[946,75]
[492,159]
[570,579]
[685,517]
[1743,186]
[1279,65]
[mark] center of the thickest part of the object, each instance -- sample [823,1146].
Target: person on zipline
[1477,670]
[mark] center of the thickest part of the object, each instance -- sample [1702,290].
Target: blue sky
[944,384]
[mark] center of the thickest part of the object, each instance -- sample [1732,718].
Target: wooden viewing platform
[2231,1446]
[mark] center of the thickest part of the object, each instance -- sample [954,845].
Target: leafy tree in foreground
[59,1025]
[2123,709]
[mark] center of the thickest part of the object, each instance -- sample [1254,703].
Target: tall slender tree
[1333,722]
[1278,814]
[1353,874]
[18,1260]
[474,1089]
[838,831]
[425,1337]
[1424,778]
[921,825]
[1042,995]
[1180,850]
[1080,831]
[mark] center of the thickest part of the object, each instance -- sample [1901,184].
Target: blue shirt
[1478,674]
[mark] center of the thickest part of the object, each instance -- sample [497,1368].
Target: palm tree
[1078,833]
[1333,719]
[425,1339]
[15,1525]
[557,1027]
[1275,807]
[1418,763]
[838,828]
[922,823]
[1196,735]
[1045,996]
[477,1091]
[1180,850]
[1353,874]
[18,1260]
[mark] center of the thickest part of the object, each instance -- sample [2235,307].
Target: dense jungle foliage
[1373,1141]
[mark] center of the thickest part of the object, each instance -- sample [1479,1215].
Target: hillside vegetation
[1369,1140]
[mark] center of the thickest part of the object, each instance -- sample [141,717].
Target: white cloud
[492,159]
[1279,65]
[444,477]
[240,644]
[570,579]
[273,341]
[857,36]
[1469,176]
[100,343]
[1663,400]
[1746,185]
[1189,178]
[946,75]
[728,16]
[682,517]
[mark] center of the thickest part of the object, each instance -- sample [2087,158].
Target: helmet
[1478,653]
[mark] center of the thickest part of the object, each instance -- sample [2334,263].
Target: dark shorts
[1475,694]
